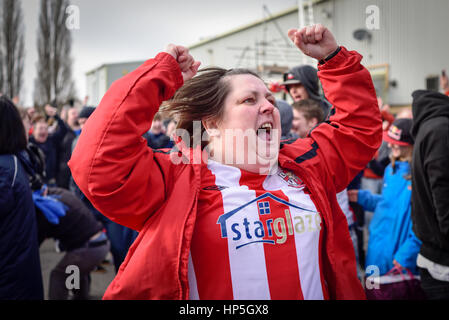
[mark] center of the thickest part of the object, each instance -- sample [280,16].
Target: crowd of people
[100,184]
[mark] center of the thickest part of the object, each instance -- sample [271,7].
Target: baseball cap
[399,133]
[290,78]
[86,112]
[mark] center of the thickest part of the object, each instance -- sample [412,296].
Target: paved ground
[49,259]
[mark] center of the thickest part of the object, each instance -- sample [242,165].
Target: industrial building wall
[99,80]
[92,83]
[118,70]
[96,85]
[411,49]
[260,44]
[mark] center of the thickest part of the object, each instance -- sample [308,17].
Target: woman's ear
[313,122]
[211,128]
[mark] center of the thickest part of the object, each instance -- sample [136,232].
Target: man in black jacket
[80,236]
[430,195]
[302,83]
[77,231]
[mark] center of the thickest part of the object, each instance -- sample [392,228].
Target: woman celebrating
[230,219]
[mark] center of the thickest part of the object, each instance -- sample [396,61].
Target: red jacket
[143,189]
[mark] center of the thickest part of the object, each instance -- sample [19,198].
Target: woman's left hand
[186,62]
[397,264]
[316,41]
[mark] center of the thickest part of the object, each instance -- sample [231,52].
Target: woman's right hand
[353,195]
[315,41]
[187,64]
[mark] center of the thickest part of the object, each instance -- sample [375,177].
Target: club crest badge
[291,179]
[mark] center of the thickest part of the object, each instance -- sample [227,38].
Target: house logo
[273,226]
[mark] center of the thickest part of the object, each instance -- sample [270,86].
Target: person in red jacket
[212,224]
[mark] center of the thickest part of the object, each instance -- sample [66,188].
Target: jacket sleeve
[111,162]
[435,166]
[368,200]
[408,252]
[7,173]
[60,132]
[353,133]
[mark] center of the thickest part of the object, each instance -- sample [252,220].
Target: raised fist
[187,64]
[50,110]
[315,41]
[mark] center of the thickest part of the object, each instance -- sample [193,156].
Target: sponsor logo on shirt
[270,228]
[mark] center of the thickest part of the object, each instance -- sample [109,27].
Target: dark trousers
[84,259]
[120,237]
[433,288]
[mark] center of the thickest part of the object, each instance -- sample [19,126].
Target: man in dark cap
[430,190]
[84,115]
[301,83]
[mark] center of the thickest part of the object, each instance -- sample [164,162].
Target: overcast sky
[117,30]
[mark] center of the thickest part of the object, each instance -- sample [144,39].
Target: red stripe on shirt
[211,257]
[281,258]
[321,252]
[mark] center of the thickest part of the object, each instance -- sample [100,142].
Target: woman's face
[40,131]
[72,117]
[400,152]
[298,92]
[300,125]
[250,129]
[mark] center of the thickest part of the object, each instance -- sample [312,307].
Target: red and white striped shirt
[256,237]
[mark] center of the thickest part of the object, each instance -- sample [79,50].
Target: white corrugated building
[100,79]
[407,51]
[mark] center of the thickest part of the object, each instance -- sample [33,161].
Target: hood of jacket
[286,113]
[308,76]
[427,105]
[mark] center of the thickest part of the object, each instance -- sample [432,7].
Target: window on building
[432,83]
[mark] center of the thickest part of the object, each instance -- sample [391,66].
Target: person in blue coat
[391,239]
[20,269]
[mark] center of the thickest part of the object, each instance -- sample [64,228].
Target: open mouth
[264,131]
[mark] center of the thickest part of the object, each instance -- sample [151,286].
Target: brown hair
[157,117]
[38,118]
[23,113]
[408,158]
[201,98]
[310,109]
